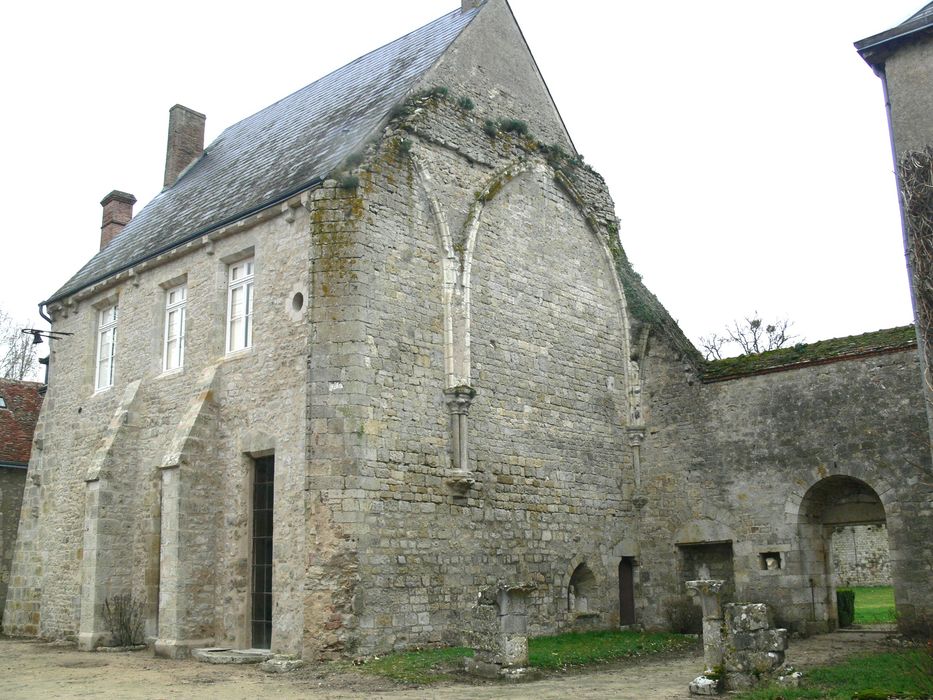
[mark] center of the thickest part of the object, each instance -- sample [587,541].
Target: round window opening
[298,301]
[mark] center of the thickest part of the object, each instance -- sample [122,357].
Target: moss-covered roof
[885,340]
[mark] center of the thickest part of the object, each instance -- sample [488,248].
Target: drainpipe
[921,344]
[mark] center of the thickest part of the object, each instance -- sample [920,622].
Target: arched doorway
[832,502]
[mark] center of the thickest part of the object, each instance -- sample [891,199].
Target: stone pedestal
[709,591]
[753,650]
[498,633]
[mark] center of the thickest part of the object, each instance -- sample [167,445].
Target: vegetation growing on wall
[805,353]
[643,306]
[916,178]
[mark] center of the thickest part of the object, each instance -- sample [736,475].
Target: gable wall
[490,63]
[548,454]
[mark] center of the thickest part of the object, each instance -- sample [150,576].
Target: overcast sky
[745,143]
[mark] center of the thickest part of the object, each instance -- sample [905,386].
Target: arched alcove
[581,592]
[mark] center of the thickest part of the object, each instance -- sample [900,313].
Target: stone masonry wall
[12,482]
[259,400]
[546,347]
[861,556]
[766,462]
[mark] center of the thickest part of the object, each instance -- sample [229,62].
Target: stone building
[378,350]
[903,58]
[19,412]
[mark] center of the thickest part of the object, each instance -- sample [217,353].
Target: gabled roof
[19,412]
[876,49]
[283,149]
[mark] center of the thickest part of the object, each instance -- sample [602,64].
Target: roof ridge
[333,72]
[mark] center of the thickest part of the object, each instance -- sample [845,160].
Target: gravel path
[32,669]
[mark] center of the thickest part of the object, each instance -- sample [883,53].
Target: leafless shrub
[683,615]
[751,336]
[124,617]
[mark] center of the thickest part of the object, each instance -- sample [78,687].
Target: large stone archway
[831,502]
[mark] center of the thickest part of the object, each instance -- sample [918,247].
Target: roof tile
[283,149]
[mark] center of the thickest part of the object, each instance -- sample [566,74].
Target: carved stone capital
[459,399]
[636,435]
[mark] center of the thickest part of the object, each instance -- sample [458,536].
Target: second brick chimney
[185,141]
[118,211]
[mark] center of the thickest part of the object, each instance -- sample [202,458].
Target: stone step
[223,655]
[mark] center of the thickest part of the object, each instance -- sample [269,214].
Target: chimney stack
[185,141]
[118,210]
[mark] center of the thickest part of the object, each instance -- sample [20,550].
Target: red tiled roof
[18,419]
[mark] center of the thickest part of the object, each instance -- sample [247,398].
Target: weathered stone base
[225,655]
[89,641]
[701,685]
[178,648]
[496,671]
[281,664]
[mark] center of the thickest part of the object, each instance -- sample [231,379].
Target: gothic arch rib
[500,181]
[456,256]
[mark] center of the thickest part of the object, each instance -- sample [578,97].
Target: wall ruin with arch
[774,462]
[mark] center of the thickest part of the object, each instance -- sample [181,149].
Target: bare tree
[17,353]
[751,336]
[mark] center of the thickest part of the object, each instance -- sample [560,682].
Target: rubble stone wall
[861,556]
[12,482]
[738,461]
[259,397]
[549,454]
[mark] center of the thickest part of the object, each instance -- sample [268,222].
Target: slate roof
[283,149]
[876,49]
[18,420]
[820,352]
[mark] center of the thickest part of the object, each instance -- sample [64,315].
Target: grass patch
[581,648]
[901,674]
[420,667]
[550,653]
[874,605]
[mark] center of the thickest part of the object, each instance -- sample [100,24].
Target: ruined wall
[12,482]
[456,209]
[860,556]
[92,522]
[772,462]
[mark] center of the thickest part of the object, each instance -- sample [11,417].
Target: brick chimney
[118,210]
[185,141]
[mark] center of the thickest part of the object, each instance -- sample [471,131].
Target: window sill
[237,354]
[171,372]
[103,390]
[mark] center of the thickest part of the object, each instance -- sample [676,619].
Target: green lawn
[421,667]
[874,604]
[577,649]
[551,653]
[902,674]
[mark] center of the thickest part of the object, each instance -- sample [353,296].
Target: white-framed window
[240,305]
[173,352]
[106,347]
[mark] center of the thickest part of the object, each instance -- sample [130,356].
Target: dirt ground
[32,669]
